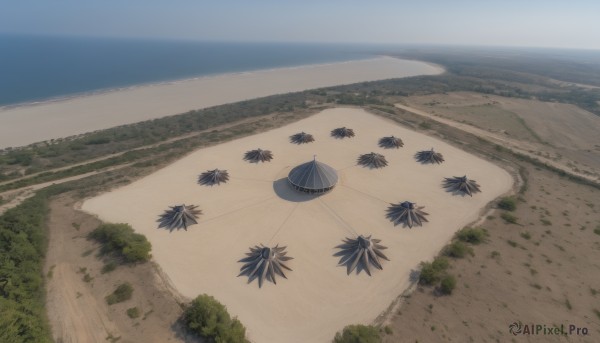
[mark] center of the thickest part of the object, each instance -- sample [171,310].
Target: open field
[27,124]
[543,270]
[257,206]
[562,134]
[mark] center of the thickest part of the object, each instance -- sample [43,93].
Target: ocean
[37,68]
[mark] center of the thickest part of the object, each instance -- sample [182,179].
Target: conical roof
[313,175]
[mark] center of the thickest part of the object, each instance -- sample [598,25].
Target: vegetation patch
[108,267]
[22,248]
[458,249]
[471,235]
[509,218]
[358,333]
[447,284]
[122,293]
[432,272]
[209,319]
[133,312]
[120,240]
[508,203]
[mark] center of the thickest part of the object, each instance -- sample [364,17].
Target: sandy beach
[28,124]
[257,206]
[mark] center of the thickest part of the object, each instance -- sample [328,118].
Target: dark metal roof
[313,175]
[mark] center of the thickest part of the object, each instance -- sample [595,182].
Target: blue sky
[550,23]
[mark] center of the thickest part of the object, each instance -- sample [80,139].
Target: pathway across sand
[257,206]
[34,123]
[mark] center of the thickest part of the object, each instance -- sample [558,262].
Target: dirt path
[76,304]
[74,312]
[19,195]
[520,147]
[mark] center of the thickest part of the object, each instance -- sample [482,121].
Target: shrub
[447,284]
[508,203]
[457,249]
[431,272]
[358,334]
[471,235]
[208,318]
[97,140]
[133,312]
[526,235]
[123,292]
[120,239]
[509,218]
[109,267]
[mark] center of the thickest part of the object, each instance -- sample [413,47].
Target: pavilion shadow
[283,190]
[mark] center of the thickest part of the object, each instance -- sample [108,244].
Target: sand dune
[34,123]
[257,206]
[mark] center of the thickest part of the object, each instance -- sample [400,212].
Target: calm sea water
[39,68]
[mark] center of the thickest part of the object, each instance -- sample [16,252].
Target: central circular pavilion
[313,177]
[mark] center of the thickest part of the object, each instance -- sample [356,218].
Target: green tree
[119,239]
[209,319]
[358,334]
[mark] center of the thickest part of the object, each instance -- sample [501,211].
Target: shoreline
[28,123]
[101,91]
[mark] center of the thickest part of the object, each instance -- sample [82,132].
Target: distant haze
[534,23]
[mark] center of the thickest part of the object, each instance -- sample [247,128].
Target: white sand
[318,298]
[34,123]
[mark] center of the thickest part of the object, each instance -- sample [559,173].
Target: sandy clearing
[34,123]
[318,298]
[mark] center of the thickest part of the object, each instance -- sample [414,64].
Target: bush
[508,204]
[509,218]
[431,272]
[109,267]
[120,239]
[208,318]
[458,249]
[358,334]
[123,292]
[526,235]
[471,235]
[448,284]
[133,312]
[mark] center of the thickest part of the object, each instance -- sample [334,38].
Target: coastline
[27,123]
[101,91]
